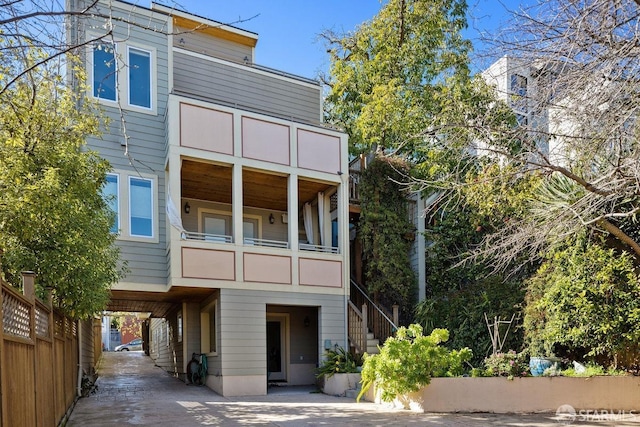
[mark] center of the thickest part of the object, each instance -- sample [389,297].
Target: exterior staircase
[372,344]
[369,324]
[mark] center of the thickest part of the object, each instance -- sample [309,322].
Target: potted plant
[339,372]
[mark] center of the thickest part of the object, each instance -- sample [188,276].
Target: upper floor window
[124,73]
[133,197]
[139,77]
[104,71]
[111,192]
[140,207]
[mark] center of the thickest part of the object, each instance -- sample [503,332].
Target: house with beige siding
[231,195]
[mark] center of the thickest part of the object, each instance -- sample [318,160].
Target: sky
[288,29]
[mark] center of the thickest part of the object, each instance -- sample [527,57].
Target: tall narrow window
[139,78]
[111,195]
[141,207]
[104,71]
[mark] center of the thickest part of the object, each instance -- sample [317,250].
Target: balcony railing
[318,248]
[249,241]
[354,187]
[214,238]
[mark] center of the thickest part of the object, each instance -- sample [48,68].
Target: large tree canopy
[389,78]
[53,218]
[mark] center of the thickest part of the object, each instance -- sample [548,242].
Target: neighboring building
[230,193]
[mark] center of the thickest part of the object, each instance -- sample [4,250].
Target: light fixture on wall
[272,219]
[187,208]
[307,322]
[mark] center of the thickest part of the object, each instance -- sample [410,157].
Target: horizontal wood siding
[147,139]
[246,89]
[243,319]
[191,329]
[165,349]
[208,45]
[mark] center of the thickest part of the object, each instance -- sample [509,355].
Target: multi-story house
[231,196]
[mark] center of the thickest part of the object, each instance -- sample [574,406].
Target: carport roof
[157,303]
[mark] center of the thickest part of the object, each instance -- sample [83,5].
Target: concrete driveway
[132,391]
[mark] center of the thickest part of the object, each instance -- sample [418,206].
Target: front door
[276,347]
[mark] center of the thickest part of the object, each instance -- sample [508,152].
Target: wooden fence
[38,359]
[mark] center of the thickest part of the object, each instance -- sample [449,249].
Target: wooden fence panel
[97,341]
[38,361]
[45,386]
[18,397]
[71,361]
[45,375]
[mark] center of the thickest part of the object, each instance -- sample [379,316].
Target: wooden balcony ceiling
[206,181]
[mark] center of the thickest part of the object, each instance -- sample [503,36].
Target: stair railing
[372,316]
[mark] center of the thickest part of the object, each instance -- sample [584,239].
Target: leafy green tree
[391,77]
[385,230]
[53,218]
[460,292]
[584,302]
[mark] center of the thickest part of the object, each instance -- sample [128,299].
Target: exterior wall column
[173,167]
[237,214]
[292,214]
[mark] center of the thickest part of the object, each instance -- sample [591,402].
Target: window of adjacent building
[179,319]
[139,62]
[104,71]
[140,207]
[111,193]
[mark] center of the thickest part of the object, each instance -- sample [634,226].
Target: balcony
[263,202]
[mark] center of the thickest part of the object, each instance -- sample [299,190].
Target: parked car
[132,345]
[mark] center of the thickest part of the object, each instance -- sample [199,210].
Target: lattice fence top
[16,316]
[58,326]
[42,322]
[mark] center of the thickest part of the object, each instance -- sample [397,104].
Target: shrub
[409,360]
[338,361]
[509,364]
[584,303]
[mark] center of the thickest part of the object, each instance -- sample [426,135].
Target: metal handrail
[214,238]
[250,241]
[318,248]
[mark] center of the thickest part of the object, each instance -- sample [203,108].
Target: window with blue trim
[111,194]
[140,207]
[104,71]
[139,77]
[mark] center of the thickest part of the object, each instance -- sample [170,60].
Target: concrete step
[373,349]
[352,394]
[370,336]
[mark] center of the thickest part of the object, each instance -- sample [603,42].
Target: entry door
[277,348]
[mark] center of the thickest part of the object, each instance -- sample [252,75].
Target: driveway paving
[132,391]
